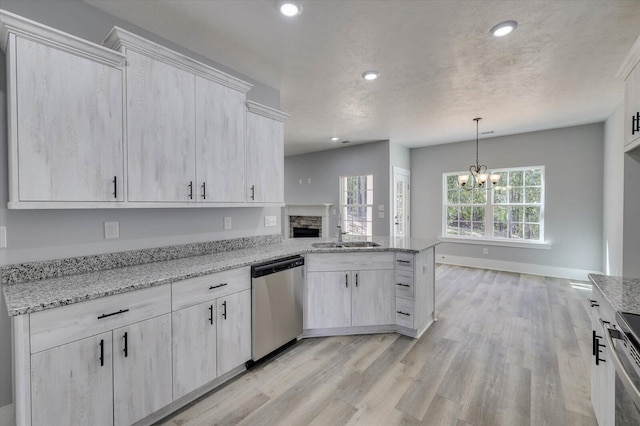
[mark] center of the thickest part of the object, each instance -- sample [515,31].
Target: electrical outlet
[380,207]
[300,181]
[269,221]
[485,250]
[3,237]
[309,180]
[227,223]
[111,230]
[380,215]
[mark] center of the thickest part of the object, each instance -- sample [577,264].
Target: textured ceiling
[439,65]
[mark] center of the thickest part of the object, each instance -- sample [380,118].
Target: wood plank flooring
[507,349]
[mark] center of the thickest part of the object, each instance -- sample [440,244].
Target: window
[513,210]
[356,205]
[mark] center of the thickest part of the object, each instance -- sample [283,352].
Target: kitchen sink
[347,244]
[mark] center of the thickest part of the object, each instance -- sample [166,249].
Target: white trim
[266,111]
[536,245]
[630,61]
[6,415]
[522,268]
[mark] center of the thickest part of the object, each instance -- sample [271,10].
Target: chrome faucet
[340,233]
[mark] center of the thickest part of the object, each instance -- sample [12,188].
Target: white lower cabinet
[328,300]
[141,369]
[603,373]
[373,298]
[72,384]
[213,337]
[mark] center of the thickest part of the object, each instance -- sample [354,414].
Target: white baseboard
[522,268]
[6,415]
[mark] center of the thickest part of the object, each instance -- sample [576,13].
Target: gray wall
[613,197]
[631,261]
[38,235]
[573,211]
[325,168]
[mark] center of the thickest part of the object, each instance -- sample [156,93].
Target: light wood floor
[507,349]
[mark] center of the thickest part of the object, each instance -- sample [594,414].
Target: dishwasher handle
[276,266]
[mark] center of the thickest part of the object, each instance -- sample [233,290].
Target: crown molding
[630,61]
[11,23]
[120,39]
[266,111]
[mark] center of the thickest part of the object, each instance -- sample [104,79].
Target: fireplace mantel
[319,209]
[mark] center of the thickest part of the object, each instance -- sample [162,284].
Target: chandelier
[479,177]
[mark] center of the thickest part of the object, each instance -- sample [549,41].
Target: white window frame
[344,205]
[489,210]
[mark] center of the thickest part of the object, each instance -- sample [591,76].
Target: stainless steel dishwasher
[276,305]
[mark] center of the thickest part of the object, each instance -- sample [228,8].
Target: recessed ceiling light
[370,75]
[503,28]
[290,8]
[335,138]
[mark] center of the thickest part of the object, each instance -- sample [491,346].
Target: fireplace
[306,232]
[306,220]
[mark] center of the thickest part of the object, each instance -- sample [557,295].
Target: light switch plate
[3,237]
[380,207]
[111,230]
[269,221]
[227,223]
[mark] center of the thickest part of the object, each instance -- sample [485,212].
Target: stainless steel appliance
[624,340]
[276,305]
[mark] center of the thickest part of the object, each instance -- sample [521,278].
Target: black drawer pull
[403,285]
[101,352]
[121,311]
[403,261]
[593,303]
[217,286]
[403,313]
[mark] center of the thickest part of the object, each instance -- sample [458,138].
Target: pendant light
[478,176]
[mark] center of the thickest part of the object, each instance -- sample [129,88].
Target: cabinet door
[69,126]
[234,330]
[327,300]
[220,124]
[373,298]
[72,384]
[265,159]
[194,347]
[141,369]
[632,108]
[160,131]
[602,377]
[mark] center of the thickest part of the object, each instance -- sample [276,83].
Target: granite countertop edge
[622,293]
[34,296]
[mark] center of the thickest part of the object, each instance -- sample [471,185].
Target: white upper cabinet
[265,154]
[65,118]
[185,126]
[630,73]
[220,147]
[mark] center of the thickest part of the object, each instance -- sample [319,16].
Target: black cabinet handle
[121,311]
[211,314]
[224,309]
[598,351]
[356,280]
[594,344]
[403,261]
[403,313]
[403,285]
[101,352]
[191,190]
[593,303]
[204,190]
[217,286]
[633,124]
[638,121]
[253,192]
[115,187]
[346,280]
[126,345]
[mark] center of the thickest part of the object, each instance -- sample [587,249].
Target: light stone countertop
[27,297]
[622,293]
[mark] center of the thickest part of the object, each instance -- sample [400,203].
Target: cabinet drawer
[604,310]
[208,287]
[404,312]
[404,283]
[404,261]
[349,261]
[66,324]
